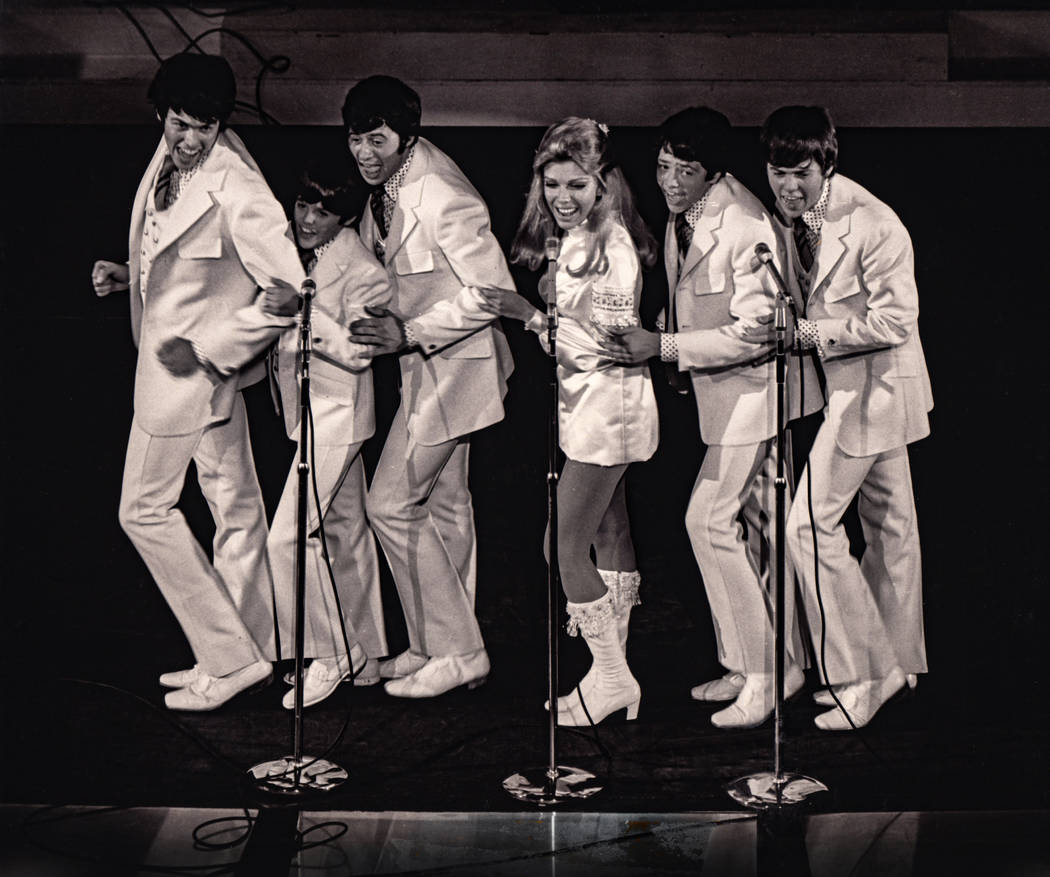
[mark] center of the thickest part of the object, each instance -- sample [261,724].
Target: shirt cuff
[410,336]
[537,323]
[669,347]
[205,363]
[808,337]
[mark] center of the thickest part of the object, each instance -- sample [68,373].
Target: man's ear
[407,144]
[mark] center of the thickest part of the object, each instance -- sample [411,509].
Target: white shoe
[757,699]
[622,588]
[442,674]
[724,688]
[180,678]
[861,700]
[209,692]
[823,696]
[324,675]
[404,664]
[612,687]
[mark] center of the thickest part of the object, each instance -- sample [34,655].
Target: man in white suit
[430,228]
[206,233]
[850,258]
[717,330]
[341,418]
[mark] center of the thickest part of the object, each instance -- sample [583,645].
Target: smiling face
[570,192]
[796,188]
[376,153]
[314,225]
[188,138]
[683,183]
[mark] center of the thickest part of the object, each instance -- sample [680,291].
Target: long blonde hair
[586,143]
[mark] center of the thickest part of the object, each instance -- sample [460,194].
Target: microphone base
[286,776]
[765,790]
[535,786]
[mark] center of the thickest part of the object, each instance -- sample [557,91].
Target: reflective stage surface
[63,841]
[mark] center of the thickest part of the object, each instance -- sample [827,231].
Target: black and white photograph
[525,438]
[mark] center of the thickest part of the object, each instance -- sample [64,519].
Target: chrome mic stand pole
[295,774]
[560,782]
[763,790]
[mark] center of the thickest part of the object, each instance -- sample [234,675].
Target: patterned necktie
[804,243]
[163,186]
[378,203]
[683,233]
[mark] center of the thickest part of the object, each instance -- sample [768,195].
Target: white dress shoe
[724,688]
[403,665]
[861,700]
[364,674]
[208,692]
[323,676]
[180,678]
[442,674]
[823,696]
[757,699]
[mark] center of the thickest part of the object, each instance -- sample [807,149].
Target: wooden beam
[854,104]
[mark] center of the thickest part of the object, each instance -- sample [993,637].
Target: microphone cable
[273,64]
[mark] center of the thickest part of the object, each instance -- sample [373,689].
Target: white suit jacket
[722,287]
[439,249]
[866,307]
[223,238]
[348,279]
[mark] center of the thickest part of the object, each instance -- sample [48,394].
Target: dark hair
[383,100]
[697,134]
[793,135]
[331,181]
[585,142]
[201,86]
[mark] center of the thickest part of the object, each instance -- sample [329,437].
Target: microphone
[551,246]
[764,256]
[308,289]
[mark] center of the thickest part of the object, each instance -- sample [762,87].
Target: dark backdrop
[973,201]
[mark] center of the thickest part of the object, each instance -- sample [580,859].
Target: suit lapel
[409,197]
[191,205]
[335,261]
[833,234]
[703,235]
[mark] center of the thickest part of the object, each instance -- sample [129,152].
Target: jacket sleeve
[465,239]
[886,277]
[255,224]
[753,295]
[365,284]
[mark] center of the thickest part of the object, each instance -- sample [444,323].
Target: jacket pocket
[476,346]
[201,249]
[710,282]
[418,262]
[840,292]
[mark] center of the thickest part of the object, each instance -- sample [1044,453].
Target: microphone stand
[764,790]
[297,774]
[559,782]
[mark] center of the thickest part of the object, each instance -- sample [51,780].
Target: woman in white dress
[606,411]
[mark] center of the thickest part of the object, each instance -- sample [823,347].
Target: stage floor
[115,841]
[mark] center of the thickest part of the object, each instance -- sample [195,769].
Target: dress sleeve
[613,295]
